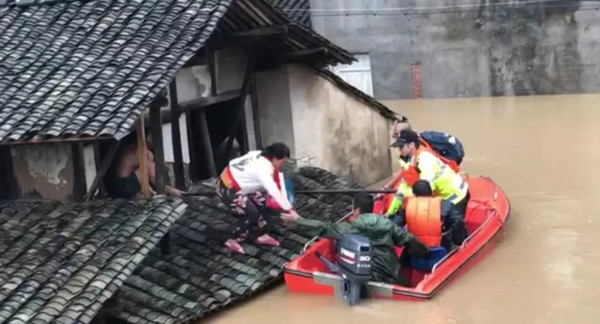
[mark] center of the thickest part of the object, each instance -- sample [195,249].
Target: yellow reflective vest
[444,181]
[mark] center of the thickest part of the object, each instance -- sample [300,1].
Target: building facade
[470,48]
[274,76]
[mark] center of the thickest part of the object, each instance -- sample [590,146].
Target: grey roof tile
[71,260]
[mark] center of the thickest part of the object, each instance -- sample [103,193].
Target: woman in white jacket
[242,187]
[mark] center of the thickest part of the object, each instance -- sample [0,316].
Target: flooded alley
[543,151]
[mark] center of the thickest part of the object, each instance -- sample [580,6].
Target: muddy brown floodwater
[544,152]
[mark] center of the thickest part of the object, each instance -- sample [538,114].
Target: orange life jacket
[411,175]
[228,180]
[424,219]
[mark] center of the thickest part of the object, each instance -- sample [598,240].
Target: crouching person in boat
[433,220]
[419,163]
[242,187]
[382,233]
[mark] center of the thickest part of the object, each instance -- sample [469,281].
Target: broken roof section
[60,263]
[90,68]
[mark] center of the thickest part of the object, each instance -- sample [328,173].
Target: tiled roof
[298,10]
[200,277]
[89,68]
[356,93]
[59,263]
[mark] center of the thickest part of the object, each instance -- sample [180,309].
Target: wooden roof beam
[277,33]
[257,33]
[316,57]
[303,54]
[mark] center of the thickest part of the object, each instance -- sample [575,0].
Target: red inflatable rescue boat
[487,213]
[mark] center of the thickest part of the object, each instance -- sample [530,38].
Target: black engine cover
[354,256]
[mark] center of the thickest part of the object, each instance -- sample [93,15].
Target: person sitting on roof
[241,187]
[432,219]
[419,163]
[123,182]
[382,233]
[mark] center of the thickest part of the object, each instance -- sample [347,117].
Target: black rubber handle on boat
[328,263]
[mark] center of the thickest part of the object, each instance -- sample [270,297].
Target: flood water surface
[544,152]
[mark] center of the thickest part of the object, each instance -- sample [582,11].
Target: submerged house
[77,76]
[205,78]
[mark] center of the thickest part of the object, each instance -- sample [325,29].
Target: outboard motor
[353,265]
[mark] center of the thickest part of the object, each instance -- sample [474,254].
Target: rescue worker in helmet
[382,233]
[432,219]
[419,163]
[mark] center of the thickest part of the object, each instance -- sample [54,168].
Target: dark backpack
[445,144]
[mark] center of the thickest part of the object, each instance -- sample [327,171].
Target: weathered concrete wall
[335,131]
[230,67]
[44,171]
[324,126]
[480,49]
